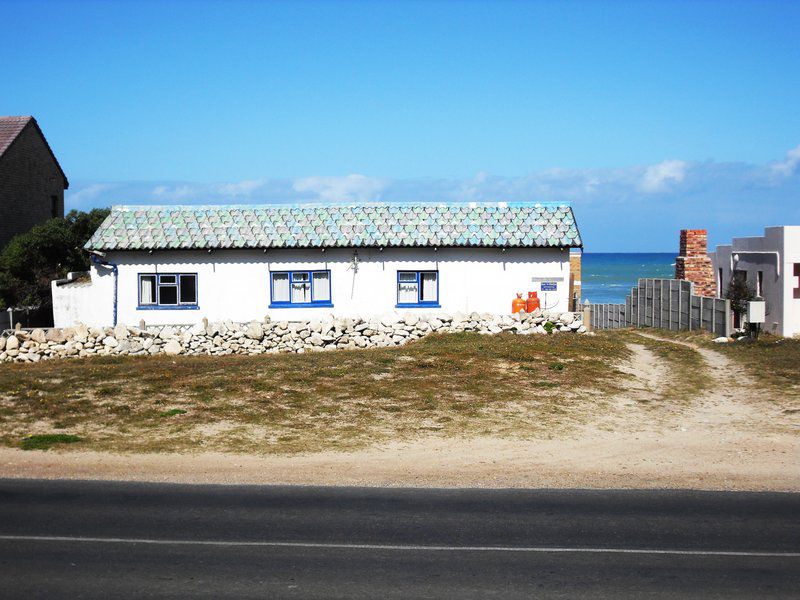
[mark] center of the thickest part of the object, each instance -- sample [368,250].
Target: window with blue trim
[417,288]
[167,290]
[300,288]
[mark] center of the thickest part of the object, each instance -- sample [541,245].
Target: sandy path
[732,438]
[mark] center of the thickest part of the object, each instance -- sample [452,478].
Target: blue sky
[648,117]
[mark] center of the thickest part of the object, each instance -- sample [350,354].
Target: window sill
[431,305]
[302,305]
[168,307]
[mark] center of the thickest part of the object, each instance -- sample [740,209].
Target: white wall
[234,284]
[88,302]
[759,254]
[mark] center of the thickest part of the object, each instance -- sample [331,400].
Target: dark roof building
[32,182]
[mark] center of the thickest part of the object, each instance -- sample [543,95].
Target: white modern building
[179,264]
[771,265]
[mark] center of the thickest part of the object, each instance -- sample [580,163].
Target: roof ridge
[323,204]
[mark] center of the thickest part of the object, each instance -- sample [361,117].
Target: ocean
[609,277]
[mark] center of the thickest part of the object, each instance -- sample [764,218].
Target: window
[417,288]
[54,206]
[300,288]
[760,284]
[796,285]
[168,290]
[720,291]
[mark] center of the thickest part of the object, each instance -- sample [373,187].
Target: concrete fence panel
[666,304]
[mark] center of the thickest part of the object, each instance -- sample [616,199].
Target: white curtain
[147,294]
[430,293]
[280,287]
[301,288]
[407,290]
[321,288]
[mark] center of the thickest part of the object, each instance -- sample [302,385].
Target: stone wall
[269,336]
[693,263]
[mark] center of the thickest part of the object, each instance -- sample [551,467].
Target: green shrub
[172,412]
[46,441]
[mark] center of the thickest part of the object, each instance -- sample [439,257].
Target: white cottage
[179,264]
[770,264]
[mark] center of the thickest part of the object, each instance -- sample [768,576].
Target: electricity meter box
[756,311]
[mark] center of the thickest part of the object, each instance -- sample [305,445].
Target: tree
[739,292]
[49,251]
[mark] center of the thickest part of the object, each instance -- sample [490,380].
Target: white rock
[56,335]
[81,333]
[254,331]
[110,341]
[411,320]
[38,336]
[2,343]
[121,332]
[173,347]
[721,340]
[566,318]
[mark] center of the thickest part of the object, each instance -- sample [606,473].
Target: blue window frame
[417,289]
[292,289]
[167,291]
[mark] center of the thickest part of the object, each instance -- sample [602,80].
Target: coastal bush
[46,441]
[49,251]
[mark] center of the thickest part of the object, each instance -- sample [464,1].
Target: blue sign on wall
[549,286]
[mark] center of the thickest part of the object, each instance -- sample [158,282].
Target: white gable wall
[779,246]
[234,284]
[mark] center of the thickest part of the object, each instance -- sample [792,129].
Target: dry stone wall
[269,336]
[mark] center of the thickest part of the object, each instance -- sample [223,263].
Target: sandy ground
[734,438]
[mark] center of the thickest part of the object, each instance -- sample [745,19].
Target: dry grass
[455,384]
[688,376]
[774,362]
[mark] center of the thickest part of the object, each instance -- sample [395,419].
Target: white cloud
[350,188]
[617,209]
[178,192]
[87,193]
[658,178]
[241,188]
[788,166]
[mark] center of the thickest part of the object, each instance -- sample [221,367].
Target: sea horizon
[607,277]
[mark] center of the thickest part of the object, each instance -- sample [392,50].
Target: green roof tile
[331,226]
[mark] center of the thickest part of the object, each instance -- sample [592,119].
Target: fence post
[668,305]
[727,318]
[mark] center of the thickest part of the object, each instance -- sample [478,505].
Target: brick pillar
[574,281]
[693,263]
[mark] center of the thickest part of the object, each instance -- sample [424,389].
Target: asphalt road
[63,539]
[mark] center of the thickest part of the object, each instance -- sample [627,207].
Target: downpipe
[96,259]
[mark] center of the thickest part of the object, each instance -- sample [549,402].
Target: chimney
[693,264]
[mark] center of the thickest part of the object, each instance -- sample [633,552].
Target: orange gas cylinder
[517,304]
[533,302]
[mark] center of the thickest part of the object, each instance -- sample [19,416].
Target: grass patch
[771,361]
[48,440]
[445,384]
[172,412]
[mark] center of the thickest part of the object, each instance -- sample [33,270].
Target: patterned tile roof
[337,225]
